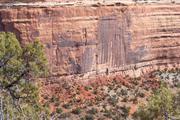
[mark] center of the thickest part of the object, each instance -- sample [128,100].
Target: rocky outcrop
[99,39]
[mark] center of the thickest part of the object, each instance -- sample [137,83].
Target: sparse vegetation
[67,106]
[92,111]
[114,100]
[76,111]
[59,110]
[89,117]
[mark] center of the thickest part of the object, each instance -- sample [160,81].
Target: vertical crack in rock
[82,39]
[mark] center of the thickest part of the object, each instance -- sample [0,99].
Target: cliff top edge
[95,3]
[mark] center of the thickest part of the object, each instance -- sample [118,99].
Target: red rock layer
[95,39]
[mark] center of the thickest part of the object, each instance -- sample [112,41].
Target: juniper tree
[162,105]
[20,67]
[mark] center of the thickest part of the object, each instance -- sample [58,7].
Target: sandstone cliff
[92,1]
[99,39]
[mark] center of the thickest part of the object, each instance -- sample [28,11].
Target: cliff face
[92,1]
[99,38]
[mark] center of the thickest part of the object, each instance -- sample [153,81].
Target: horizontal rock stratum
[82,2]
[99,39]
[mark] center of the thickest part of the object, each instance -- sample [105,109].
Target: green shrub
[93,111]
[87,88]
[65,115]
[59,110]
[76,111]
[89,117]
[113,100]
[160,106]
[108,113]
[141,94]
[52,99]
[125,111]
[124,92]
[125,99]
[66,106]
[178,85]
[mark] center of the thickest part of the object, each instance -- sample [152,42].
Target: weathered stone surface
[92,1]
[100,39]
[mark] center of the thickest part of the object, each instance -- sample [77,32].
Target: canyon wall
[91,1]
[99,39]
[122,1]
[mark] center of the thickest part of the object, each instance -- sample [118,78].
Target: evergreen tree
[20,67]
[162,105]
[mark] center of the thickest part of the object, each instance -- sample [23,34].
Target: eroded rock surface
[99,39]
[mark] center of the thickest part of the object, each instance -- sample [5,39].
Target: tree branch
[5,60]
[17,80]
